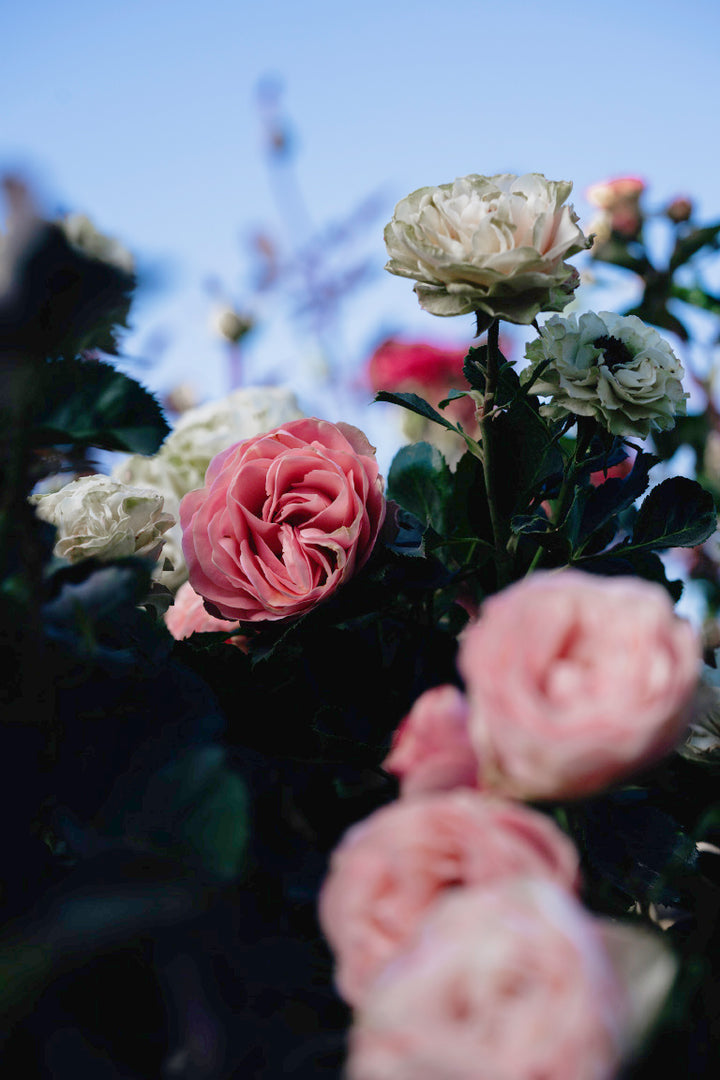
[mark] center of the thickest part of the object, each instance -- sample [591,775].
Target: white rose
[98,517]
[81,232]
[490,244]
[200,434]
[611,367]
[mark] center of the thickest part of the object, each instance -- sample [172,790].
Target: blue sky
[144,115]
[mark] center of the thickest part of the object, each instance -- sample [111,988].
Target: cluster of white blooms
[200,434]
[611,367]
[494,245]
[97,517]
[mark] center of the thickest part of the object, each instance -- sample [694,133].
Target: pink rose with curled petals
[576,681]
[390,869]
[431,749]
[283,520]
[188,616]
[512,982]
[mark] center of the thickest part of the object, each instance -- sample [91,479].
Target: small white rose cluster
[611,367]
[96,517]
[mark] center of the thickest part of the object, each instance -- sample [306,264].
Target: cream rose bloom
[612,367]
[97,517]
[200,434]
[490,244]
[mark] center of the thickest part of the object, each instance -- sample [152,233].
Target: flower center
[616,352]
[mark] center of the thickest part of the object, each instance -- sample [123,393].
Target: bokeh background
[250,154]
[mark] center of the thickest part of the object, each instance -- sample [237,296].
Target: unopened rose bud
[679,209]
[230,325]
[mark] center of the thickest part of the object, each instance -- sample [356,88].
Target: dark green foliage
[89,403]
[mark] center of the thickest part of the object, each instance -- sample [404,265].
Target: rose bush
[98,517]
[201,433]
[575,681]
[391,868]
[512,982]
[611,367]
[283,520]
[490,244]
[431,749]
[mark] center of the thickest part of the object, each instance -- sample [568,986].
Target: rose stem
[486,437]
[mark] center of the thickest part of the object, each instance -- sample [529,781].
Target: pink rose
[391,868]
[576,681]
[188,616]
[620,201]
[431,749]
[283,520]
[512,982]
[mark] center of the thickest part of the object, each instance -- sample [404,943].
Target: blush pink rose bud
[511,982]
[576,681]
[390,869]
[283,520]
[619,199]
[188,616]
[431,750]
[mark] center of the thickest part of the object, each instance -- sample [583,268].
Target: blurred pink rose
[428,370]
[431,749]
[391,868]
[619,199]
[188,616]
[512,982]
[576,681]
[283,520]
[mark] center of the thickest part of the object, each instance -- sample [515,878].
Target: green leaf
[697,297]
[196,808]
[603,503]
[62,300]
[688,431]
[616,251]
[421,481]
[621,561]
[89,403]
[415,404]
[687,246]
[677,513]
